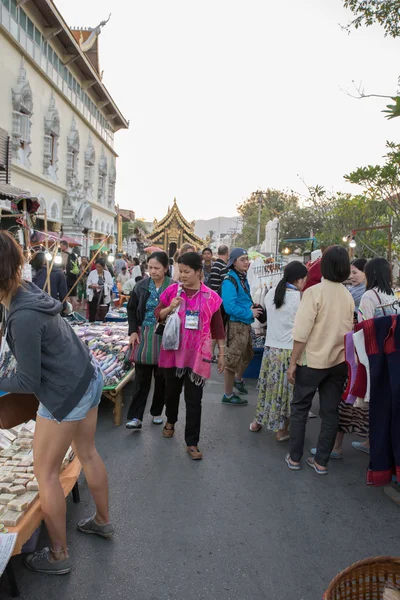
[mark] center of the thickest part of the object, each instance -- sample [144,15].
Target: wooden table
[115,394]
[34,516]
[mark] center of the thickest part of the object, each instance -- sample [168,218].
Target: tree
[273,204]
[382,183]
[128,228]
[368,12]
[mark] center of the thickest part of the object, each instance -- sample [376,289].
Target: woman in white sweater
[275,392]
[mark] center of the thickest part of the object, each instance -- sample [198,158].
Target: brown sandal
[168,433]
[194,453]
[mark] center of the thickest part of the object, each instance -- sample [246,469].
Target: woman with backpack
[275,391]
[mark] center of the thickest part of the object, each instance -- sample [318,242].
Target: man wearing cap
[119,263]
[238,306]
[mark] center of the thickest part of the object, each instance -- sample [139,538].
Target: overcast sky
[228,96]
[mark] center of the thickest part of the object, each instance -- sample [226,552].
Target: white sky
[228,96]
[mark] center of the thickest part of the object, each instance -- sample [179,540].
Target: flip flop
[311,463]
[335,455]
[285,438]
[255,430]
[291,466]
[360,446]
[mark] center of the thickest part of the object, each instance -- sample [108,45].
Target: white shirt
[108,285]
[280,321]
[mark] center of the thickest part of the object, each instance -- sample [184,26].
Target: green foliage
[393,110]
[128,228]
[368,12]
[382,182]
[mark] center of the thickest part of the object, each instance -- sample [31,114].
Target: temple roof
[175,214]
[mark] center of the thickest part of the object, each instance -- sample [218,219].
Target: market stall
[108,344]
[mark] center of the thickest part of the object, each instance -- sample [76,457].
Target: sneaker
[240,386]
[91,527]
[134,424]
[158,420]
[40,562]
[234,400]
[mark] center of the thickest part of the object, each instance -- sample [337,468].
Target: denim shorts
[90,400]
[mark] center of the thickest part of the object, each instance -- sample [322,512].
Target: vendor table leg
[118,408]
[12,580]
[75,493]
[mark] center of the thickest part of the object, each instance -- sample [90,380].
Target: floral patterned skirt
[275,391]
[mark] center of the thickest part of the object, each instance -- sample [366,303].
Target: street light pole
[259,219]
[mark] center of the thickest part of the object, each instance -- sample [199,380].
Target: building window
[21,119]
[51,136]
[5,157]
[102,178]
[54,214]
[73,145]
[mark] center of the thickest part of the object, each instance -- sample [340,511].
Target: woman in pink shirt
[190,366]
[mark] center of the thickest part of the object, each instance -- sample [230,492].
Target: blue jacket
[237,303]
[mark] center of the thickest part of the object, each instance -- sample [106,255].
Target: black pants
[330,383]
[193,397]
[142,384]
[93,304]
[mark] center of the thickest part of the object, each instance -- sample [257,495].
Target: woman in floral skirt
[275,392]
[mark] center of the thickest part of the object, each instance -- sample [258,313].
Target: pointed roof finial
[174,200]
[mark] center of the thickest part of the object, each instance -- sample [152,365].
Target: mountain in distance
[219,225]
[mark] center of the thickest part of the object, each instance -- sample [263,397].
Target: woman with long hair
[355,418]
[357,277]
[144,299]
[55,366]
[189,367]
[275,391]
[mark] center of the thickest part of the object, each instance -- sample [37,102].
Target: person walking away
[357,277]
[99,287]
[190,366]
[70,263]
[57,287]
[186,247]
[219,269]
[119,264]
[82,293]
[378,291]
[144,299]
[238,307]
[275,391]
[324,317]
[136,270]
[124,276]
[54,365]
[207,264]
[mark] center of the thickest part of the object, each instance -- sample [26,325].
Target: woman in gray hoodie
[56,366]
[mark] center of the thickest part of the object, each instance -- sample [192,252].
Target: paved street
[238,525]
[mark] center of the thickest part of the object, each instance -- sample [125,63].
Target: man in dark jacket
[58,284]
[70,263]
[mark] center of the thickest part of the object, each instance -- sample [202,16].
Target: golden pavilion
[173,231]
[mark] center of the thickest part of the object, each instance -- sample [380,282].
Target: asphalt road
[238,525]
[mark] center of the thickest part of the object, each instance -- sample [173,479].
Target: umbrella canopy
[97,247]
[70,241]
[253,255]
[152,249]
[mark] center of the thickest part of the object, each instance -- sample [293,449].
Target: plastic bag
[172,332]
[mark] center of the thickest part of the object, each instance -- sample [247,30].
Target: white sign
[7,543]
[5,204]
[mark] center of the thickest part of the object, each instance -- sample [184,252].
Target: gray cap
[235,254]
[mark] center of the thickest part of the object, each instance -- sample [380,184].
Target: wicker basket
[365,580]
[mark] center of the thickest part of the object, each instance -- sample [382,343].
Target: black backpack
[225,316]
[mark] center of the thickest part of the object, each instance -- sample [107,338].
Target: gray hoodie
[52,362]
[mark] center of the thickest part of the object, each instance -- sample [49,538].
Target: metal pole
[259,219]
[390,241]
[277,242]
[26,232]
[46,240]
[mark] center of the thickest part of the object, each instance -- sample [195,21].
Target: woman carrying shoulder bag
[189,366]
[55,366]
[99,286]
[145,343]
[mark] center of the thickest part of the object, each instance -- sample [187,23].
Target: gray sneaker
[41,563]
[90,526]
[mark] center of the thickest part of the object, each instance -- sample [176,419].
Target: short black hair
[379,275]
[359,263]
[136,261]
[335,264]
[207,250]
[192,260]
[101,262]
[161,257]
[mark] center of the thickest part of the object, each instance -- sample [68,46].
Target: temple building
[173,231]
[58,121]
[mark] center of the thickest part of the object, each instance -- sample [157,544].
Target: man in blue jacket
[238,306]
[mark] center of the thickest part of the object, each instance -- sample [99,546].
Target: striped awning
[10,192]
